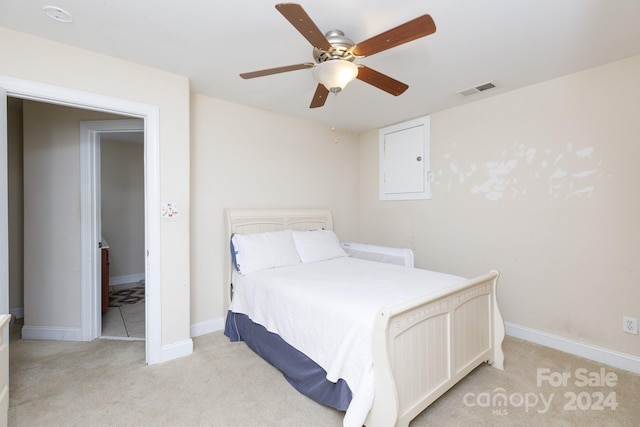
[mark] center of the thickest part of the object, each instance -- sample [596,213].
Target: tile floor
[124,322]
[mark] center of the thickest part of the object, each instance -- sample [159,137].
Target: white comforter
[327,310]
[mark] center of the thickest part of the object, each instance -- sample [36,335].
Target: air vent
[477,89]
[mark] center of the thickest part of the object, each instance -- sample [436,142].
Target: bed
[381,359]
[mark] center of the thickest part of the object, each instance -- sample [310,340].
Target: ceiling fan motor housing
[341,48]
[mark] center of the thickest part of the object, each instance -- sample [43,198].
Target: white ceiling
[513,43]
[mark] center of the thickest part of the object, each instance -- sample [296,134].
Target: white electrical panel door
[404,161]
[404,152]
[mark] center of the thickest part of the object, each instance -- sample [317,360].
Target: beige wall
[247,158]
[541,184]
[34,59]
[122,191]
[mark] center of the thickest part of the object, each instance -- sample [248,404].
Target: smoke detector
[59,14]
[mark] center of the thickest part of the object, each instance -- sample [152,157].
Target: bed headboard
[245,221]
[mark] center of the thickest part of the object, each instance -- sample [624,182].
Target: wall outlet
[630,325]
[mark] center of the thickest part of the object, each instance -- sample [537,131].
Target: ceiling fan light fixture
[335,74]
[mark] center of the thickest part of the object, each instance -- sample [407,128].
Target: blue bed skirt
[303,374]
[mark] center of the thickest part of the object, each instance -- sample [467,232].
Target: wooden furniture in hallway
[105,278]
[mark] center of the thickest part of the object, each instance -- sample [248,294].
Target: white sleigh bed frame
[420,349]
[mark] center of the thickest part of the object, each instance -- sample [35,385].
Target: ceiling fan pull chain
[335,114]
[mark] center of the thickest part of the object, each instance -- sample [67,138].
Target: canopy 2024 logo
[600,399]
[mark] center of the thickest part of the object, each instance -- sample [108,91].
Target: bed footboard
[422,349]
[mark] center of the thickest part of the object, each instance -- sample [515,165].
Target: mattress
[326,310]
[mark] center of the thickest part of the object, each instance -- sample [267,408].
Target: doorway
[89,328]
[113,151]
[45,183]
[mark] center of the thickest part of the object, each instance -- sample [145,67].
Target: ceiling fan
[334,54]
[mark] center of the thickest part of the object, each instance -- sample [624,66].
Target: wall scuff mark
[562,174]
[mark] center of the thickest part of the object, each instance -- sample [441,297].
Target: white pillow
[317,245]
[260,251]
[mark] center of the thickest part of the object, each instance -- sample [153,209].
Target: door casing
[91,228]
[150,116]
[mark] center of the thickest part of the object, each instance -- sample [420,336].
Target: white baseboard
[128,278]
[613,358]
[207,327]
[176,350]
[51,333]
[17,312]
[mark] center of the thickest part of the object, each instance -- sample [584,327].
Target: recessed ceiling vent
[477,89]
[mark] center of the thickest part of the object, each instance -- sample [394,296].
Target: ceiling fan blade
[276,70]
[419,27]
[381,81]
[296,15]
[320,97]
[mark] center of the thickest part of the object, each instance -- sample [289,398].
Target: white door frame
[150,114]
[4,208]
[90,217]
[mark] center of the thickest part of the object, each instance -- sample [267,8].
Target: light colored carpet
[106,383]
